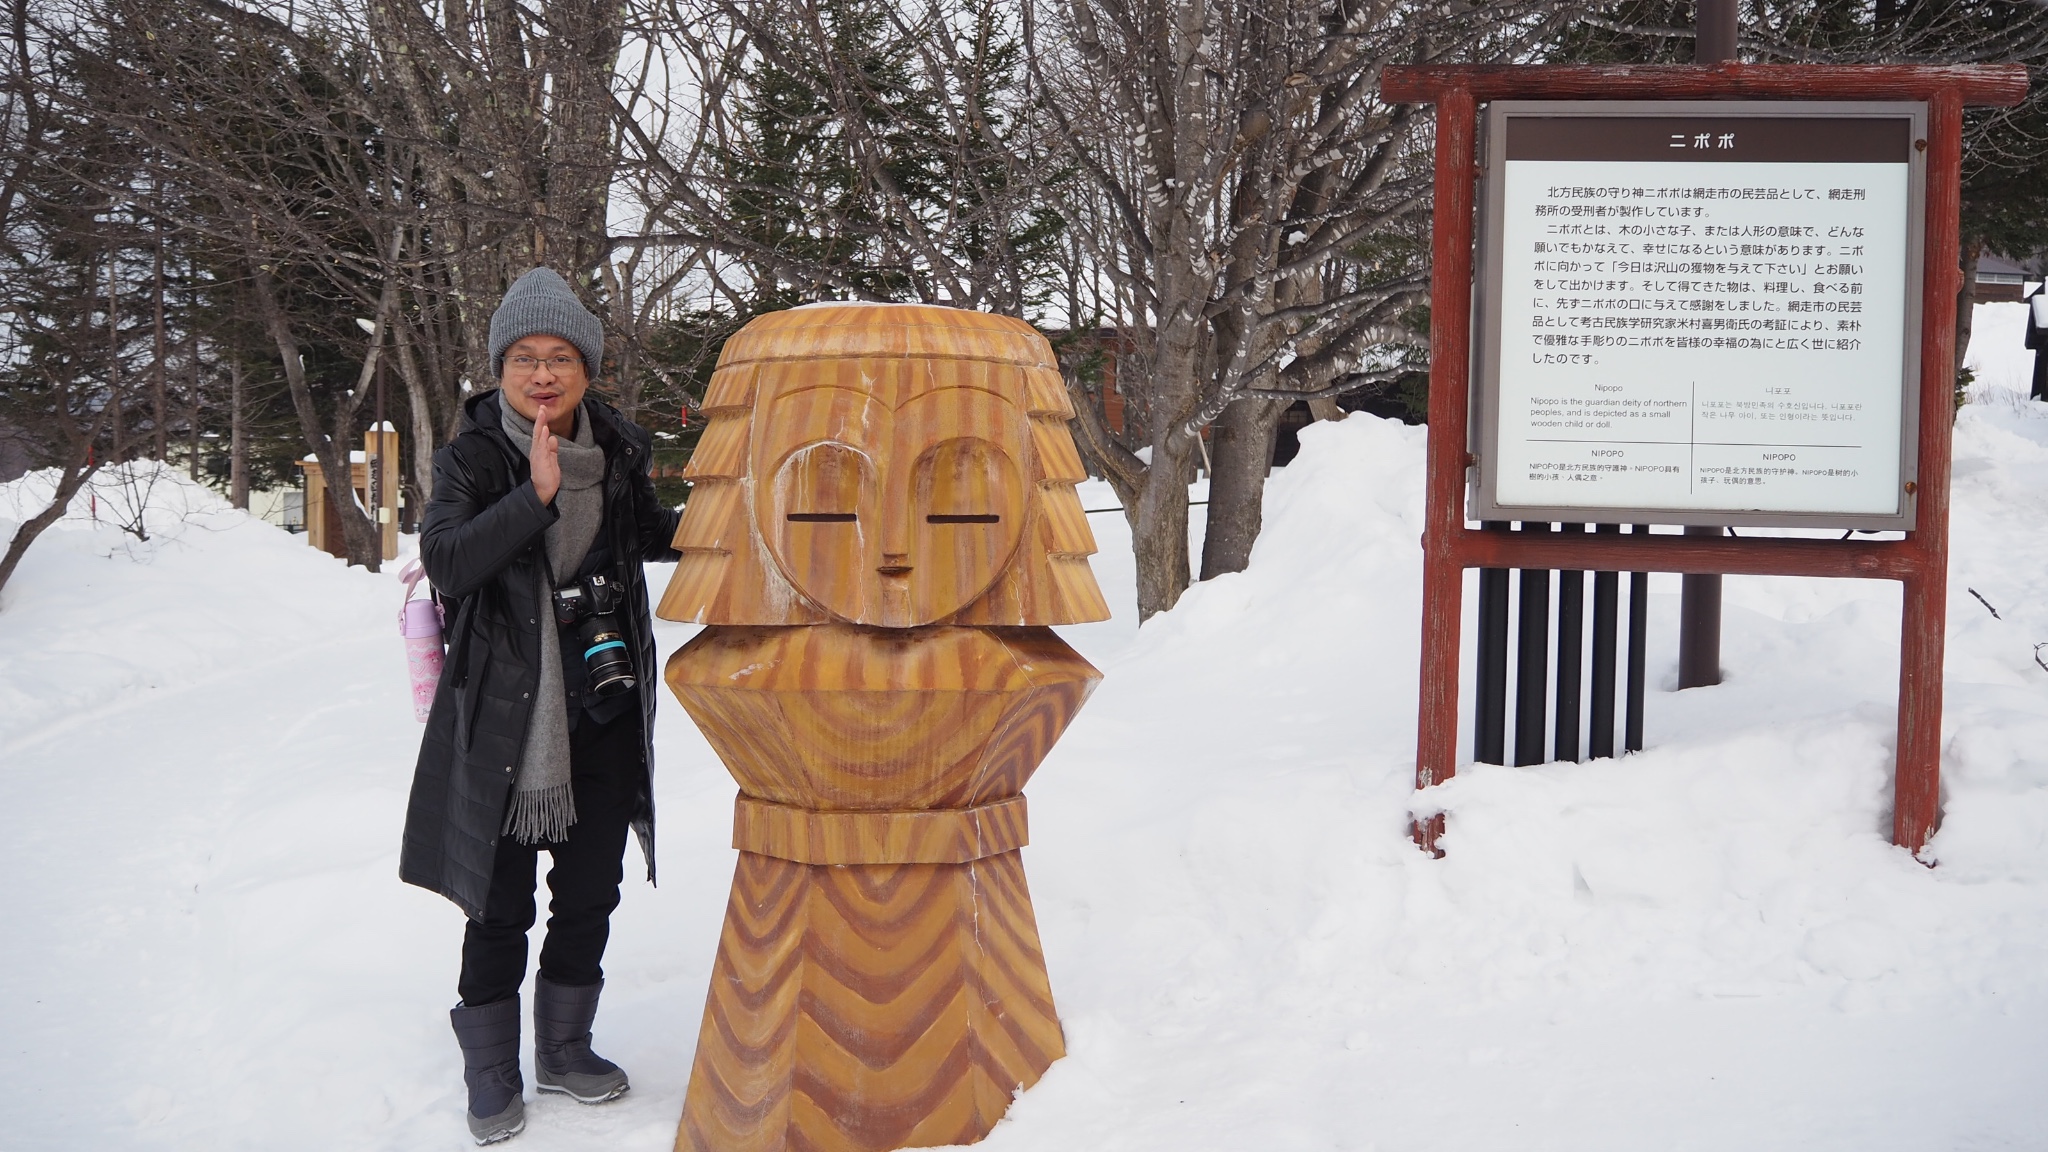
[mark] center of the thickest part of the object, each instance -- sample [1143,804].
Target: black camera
[591,605]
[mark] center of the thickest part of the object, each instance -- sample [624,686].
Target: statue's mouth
[894,569]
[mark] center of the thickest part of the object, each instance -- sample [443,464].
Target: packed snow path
[205,746]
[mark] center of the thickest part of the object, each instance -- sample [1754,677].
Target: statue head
[885,465]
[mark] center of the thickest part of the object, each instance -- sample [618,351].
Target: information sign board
[1700,313]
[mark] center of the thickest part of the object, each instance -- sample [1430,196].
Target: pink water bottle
[419,621]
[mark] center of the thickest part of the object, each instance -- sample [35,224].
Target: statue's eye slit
[821,517]
[963,518]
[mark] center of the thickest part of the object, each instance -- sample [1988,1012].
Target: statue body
[883,523]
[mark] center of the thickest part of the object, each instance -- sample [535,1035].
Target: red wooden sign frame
[1919,562]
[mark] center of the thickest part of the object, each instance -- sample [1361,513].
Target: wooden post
[1450,360]
[1916,806]
[321,532]
[380,470]
[380,484]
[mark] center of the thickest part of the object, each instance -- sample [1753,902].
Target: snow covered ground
[205,744]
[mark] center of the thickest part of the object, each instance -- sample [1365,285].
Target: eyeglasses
[525,365]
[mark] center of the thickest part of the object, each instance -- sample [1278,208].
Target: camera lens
[606,656]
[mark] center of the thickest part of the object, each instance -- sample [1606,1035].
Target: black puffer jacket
[482,544]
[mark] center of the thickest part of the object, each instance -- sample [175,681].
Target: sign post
[1662,332]
[1715,40]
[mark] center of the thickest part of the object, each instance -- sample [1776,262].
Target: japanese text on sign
[1693,318]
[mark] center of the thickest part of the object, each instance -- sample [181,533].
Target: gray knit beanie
[541,303]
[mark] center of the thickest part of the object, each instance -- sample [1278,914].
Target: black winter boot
[562,1059]
[489,1036]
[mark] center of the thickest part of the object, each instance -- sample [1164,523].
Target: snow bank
[1710,943]
[205,744]
[148,582]
[1997,354]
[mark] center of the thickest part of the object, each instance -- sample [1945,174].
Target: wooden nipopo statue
[883,523]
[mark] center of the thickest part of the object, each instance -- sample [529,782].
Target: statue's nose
[896,528]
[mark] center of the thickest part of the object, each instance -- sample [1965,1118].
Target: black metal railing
[1535,717]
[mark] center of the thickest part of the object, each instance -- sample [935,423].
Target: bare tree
[508,112]
[1260,215]
[24,124]
[390,165]
[2005,150]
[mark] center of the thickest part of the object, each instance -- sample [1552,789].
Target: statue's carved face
[891,506]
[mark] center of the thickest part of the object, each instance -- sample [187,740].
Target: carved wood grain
[922,836]
[856,1009]
[839,718]
[866,360]
[879,981]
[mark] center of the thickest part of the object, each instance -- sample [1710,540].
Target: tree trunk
[238,439]
[628,383]
[420,405]
[192,465]
[1240,453]
[76,473]
[158,384]
[360,537]
[582,58]
[1159,526]
[114,351]
[1966,305]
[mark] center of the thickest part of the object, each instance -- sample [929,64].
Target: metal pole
[1699,601]
[1490,704]
[1532,659]
[1699,625]
[1714,26]
[1638,653]
[1606,628]
[1571,646]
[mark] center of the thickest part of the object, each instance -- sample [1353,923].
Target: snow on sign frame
[1700,312]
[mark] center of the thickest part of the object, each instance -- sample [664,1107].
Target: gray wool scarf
[543,806]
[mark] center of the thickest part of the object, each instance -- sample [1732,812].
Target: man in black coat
[540,738]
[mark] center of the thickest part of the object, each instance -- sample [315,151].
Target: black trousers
[583,883]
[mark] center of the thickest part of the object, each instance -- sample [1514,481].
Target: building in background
[373,468]
[2000,279]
